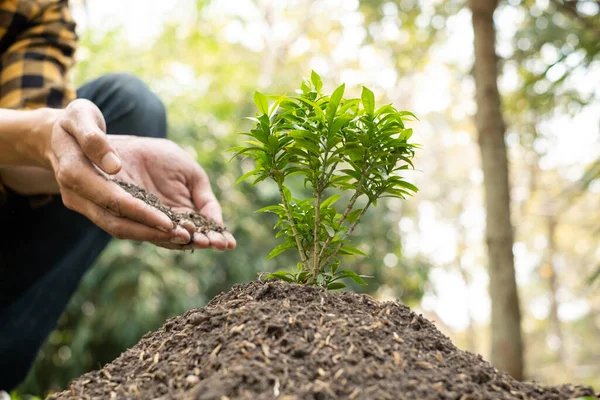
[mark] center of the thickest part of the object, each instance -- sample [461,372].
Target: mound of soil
[283,341]
[202,223]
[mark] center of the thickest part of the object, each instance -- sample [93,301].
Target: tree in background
[507,344]
[554,56]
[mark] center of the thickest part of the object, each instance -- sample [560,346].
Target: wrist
[40,135]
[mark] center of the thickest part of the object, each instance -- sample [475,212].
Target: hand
[78,151]
[161,167]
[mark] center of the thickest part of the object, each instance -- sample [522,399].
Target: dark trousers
[46,250]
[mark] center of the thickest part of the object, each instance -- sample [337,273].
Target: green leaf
[407,185]
[246,176]
[352,173]
[284,276]
[335,286]
[261,102]
[275,105]
[403,113]
[243,150]
[334,102]
[351,105]
[346,273]
[330,230]
[406,134]
[253,119]
[297,171]
[280,249]
[272,209]
[318,112]
[352,250]
[288,194]
[330,201]
[316,81]
[353,216]
[303,134]
[301,276]
[337,125]
[305,86]
[368,100]
[308,145]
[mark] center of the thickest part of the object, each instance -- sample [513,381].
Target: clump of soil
[202,223]
[282,341]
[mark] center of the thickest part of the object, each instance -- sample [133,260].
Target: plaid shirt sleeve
[37,44]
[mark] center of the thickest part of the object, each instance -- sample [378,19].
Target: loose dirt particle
[374,351]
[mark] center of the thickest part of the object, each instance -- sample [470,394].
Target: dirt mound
[281,341]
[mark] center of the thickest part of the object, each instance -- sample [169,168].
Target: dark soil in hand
[283,341]
[203,224]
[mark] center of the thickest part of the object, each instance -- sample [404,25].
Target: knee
[146,112]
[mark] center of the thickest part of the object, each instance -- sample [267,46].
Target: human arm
[78,144]
[49,149]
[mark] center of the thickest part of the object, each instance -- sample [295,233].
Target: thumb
[84,121]
[205,201]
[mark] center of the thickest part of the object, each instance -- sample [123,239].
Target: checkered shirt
[37,43]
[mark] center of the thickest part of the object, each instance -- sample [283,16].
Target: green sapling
[337,145]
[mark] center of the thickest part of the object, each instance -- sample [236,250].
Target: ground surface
[202,223]
[283,341]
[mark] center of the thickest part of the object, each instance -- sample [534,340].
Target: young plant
[337,145]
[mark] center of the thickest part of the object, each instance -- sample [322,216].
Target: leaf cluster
[336,145]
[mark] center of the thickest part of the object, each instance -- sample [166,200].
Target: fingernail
[166,224]
[110,163]
[181,236]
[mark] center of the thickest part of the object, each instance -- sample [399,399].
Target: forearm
[25,136]
[29,180]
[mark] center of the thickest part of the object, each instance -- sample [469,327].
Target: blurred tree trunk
[507,346]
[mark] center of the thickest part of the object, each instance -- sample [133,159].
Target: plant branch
[292,224]
[315,271]
[320,184]
[349,208]
[350,230]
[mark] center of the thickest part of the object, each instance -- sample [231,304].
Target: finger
[231,242]
[188,225]
[122,228]
[200,242]
[85,123]
[213,211]
[204,199]
[171,246]
[217,240]
[75,173]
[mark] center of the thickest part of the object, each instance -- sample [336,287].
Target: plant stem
[349,208]
[293,225]
[350,230]
[319,185]
[315,271]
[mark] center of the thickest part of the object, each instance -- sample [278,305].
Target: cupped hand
[163,168]
[82,156]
